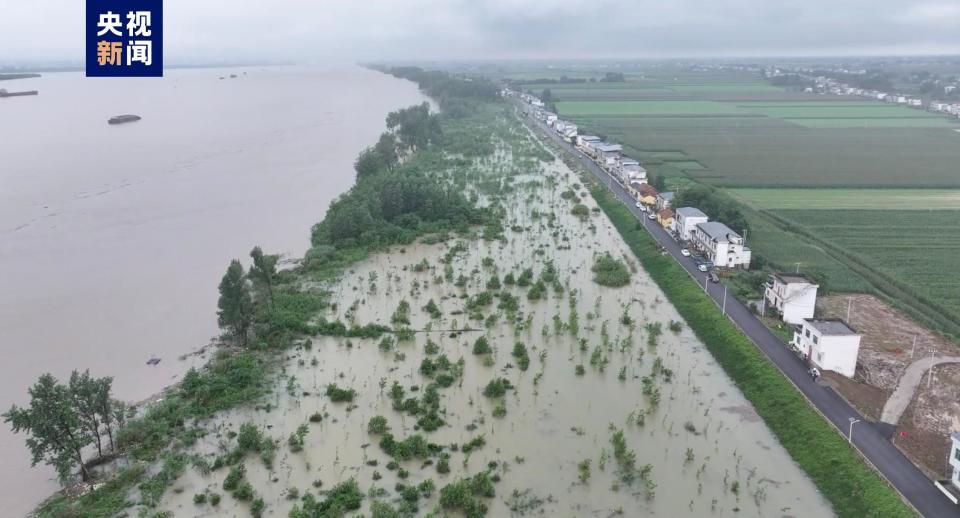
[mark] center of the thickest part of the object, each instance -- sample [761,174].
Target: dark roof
[691,212]
[831,326]
[717,231]
[794,278]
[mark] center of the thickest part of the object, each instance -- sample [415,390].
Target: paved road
[901,397]
[872,439]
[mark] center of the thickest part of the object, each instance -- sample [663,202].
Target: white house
[584,141]
[951,487]
[830,345]
[685,219]
[607,150]
[721,245]
[793,295]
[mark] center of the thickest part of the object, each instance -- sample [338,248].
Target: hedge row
[851,486]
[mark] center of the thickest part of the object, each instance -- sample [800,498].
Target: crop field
[919,248]
[750,134]
[886,199]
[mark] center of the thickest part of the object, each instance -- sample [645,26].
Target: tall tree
[104,405]
[83,397]
[235,306]
[264,271]
[56,435]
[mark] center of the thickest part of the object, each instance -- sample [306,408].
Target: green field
[919,248]
[627,108]
[768,137]
[886,199]
[844,186]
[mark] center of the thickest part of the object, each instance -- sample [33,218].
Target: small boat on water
[153,360]
[5,93]
[120,119]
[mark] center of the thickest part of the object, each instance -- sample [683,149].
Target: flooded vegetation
[507,359]
[516,383]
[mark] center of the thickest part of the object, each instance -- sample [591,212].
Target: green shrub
[610,271]
[338,395]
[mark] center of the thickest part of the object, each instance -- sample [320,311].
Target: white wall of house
[727,253]
[955,459]
[683,225]
[836,353]
[796,301]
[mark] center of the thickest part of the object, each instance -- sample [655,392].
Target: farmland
[834,183]
[750,134]
[887,199]
[918,247]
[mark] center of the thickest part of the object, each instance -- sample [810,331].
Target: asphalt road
[872,439]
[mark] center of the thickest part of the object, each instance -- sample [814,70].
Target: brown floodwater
[555,419]
[113,238]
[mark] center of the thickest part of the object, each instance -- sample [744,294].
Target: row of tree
[719,206]
[456,95]
[62,420]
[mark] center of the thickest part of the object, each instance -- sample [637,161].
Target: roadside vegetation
[852,488]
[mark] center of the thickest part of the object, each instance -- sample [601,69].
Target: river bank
[124,254]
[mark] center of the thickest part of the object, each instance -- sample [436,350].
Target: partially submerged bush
[610,271]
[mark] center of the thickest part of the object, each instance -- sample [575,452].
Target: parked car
[639,205]
[713,277]
[703,267]
[651,216]
[684,252]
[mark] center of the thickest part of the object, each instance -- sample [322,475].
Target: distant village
[819,84]
[828,344]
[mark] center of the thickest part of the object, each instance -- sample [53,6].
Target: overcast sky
[351,30]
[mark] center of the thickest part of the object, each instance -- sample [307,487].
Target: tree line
[456,95]
[62,420]
[719,206]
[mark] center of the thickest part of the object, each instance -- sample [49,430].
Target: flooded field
[515,372]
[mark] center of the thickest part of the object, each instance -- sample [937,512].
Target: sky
[198,31]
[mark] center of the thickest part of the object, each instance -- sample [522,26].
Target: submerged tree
[56,432]
[235,306]
[263,273]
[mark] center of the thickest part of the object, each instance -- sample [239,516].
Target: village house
[664,199]
[721,245]
[793,295]
[665,217]
[634,186]
[585,141]
[830,345]
[607,151]
[648,195]
[951,487]
[685,219]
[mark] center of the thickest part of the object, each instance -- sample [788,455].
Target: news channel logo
[124,38]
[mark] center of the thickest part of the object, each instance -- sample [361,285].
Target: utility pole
[724,299]
[930,372]
[798,267]
[849,305]
[914,348]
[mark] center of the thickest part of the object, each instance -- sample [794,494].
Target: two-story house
[793,295]
[829,344]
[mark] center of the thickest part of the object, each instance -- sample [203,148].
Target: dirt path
[907,385]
